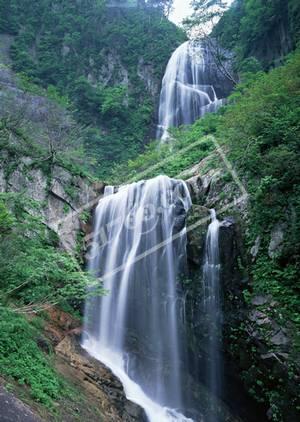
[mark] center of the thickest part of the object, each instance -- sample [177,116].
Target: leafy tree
[200,25]
[206,13]
[164,5]
[114,101]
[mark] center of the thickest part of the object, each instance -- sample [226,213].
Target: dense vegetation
[261,129]
[262,30]
[22,360]
[93,56]
[265,151]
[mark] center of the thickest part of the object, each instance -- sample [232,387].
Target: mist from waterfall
[211,303]
[187,92]
[139,251]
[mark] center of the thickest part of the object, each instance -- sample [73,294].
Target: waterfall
[187,92]
[138,251]
[212,311]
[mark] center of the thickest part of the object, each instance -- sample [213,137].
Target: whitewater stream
[139,253]
[186,93]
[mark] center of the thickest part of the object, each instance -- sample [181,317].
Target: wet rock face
[276,241]
[100,381]
[257,347]
[62,199]
[13,410]
[235,394]
[230,251]
[215,75]
[197,223]
[211,189]
[104,390]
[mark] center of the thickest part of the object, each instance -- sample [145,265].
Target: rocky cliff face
[95,382]
[61,198]
[100,382]
[256,347]
[32,129]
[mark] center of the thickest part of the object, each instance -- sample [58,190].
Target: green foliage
[249,66]
[205,14]
[187,149]
[21,359]
[6,219]
[37,274]
[114,101]
[25,83]
[270,277]
[260,126]
[254,27]
[83,55]
[53,142]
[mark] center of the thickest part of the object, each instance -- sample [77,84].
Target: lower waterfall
[211,304]
[137,329]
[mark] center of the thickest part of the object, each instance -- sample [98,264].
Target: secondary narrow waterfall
[187,91]
[212,311]
[139,251]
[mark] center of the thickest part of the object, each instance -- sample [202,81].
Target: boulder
[255,248]
[279,339]
[276,242]
[197,223]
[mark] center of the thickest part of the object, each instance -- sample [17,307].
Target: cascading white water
[187,92]
[212,310]
[138,250]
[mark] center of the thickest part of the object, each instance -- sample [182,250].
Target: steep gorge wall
[257,348]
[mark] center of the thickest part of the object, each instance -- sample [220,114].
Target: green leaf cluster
[22,360]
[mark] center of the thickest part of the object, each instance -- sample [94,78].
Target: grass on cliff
[186,149]
[23,361]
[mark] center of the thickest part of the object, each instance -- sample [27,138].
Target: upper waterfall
[188,90]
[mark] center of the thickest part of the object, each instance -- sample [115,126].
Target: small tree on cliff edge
[206,14]
[164,5]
